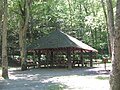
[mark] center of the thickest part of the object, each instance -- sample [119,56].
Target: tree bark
[22,34]
[115,74]
[70,16]
[106,20]
[4,44]
[110,22]
[1,13]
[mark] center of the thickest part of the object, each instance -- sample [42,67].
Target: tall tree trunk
[110,22]
[4,44]
[23,30]
[1,13]
[70,16]
[115,74]
[108,35]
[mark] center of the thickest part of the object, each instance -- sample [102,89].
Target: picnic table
[31,63]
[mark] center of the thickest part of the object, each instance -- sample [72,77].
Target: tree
[115,74]
[83,19]
[110,22]
[106,20]
[1,13]
[24,12]
[4,43]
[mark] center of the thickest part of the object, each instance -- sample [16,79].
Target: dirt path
[57,79]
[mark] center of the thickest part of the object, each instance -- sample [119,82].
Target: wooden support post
[81,58]
[91,60]
[33,57]
[69,58]
[13,52]
[51,58]
[39,59]
[73,59]
[47,58]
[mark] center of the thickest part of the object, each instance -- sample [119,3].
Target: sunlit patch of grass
[102,78]
[56,87]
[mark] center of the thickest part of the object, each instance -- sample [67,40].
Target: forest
[91,21]
[83,19]
[27,21]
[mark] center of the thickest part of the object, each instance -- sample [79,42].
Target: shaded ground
[57,79]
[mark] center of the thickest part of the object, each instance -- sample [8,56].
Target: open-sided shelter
[61,42]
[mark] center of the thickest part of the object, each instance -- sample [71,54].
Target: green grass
[102,78]
[56,87]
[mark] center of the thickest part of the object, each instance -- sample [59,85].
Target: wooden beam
[39,58]
[47,58]
[91,59]
[81,58]
[69,58]
[51,57]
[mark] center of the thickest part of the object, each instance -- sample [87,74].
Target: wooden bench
[31,63]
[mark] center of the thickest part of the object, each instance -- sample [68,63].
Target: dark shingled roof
[59,39]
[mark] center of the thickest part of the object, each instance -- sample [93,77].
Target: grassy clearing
[102,78]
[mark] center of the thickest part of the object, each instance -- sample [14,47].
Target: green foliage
[83,19]
[56,87]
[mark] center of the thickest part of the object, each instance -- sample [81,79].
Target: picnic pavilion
[61,49]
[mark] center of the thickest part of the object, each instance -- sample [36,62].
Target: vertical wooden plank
[39,58]
[69,58]
[91,59]
[51,57]
[81,58]
[47,58]
[73,59]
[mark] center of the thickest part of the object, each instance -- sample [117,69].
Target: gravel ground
[57,79]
